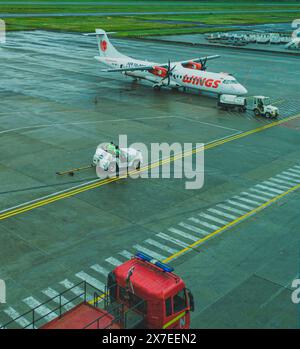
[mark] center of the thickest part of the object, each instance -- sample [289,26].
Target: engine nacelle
[159,71]
[193,65]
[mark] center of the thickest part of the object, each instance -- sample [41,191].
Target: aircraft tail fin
[105,47]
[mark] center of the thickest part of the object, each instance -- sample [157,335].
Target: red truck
[140,293]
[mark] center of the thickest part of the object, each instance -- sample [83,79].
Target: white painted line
[294,171]
[126,254]
[209,124]
[91,280]
[93,181]
[221,213]
[277,191]
[291,174]
[41,310]
[84,122]
[13,314]
[231,209]
[297,166]
[262,192]
[75,290]
[193,228]
[161,246]
[205,224]
[281,181]
[68,284]
[171,239]
[50,195]
[213,218]
[246,207]
[284,187]
[151,253]
[258,197]
[184,234]
[114,261]
[252,202]
[284,177]
[50,292]
[100,269]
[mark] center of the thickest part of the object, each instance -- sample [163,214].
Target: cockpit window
[230,82]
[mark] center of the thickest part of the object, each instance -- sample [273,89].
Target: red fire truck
[140,293]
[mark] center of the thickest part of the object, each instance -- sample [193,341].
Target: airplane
[184,74]
[294,43]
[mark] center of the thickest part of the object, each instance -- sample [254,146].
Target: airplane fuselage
[181,77]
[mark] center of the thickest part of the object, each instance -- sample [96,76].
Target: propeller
[203,63]
[169,71]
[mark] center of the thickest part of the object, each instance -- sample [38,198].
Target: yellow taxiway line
[72,192]
[232,223]
[218,231]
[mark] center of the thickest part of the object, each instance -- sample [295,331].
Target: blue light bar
[164,267]
[145,257]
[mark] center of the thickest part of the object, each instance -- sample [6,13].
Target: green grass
[88,24]
[140,26]
[250,18]
[185,2]
[144,25]
[140,6]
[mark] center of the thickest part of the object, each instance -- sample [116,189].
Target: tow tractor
[260,105]
[140,293]
[108,161]
[129,157]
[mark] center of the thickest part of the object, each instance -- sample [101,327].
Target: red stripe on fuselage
[196,80]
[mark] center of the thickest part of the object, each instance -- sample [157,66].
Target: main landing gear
[156,87]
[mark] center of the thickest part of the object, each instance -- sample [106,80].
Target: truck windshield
[133,300]
[267,101]
[179,301]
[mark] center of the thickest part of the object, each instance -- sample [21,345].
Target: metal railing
[60,309]
[121,315]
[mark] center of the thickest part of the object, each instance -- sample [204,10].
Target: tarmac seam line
[100,183]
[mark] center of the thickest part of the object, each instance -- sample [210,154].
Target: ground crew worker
[111,148]
[117,151]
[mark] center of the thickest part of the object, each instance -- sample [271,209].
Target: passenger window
[179,301]
[168,306]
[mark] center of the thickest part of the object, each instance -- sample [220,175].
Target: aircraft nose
[241,90]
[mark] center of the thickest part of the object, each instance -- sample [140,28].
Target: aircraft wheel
[112,167]
[137,164]
[157,87]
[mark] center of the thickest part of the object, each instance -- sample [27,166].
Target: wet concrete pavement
[56,107]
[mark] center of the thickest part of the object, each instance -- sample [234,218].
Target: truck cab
[261,106]
[140,293]
[156,292]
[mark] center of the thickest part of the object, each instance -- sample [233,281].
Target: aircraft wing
[164,65]
[199,59]
[142,67]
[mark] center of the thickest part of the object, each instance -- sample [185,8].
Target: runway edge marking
[73,192]
[232,223]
